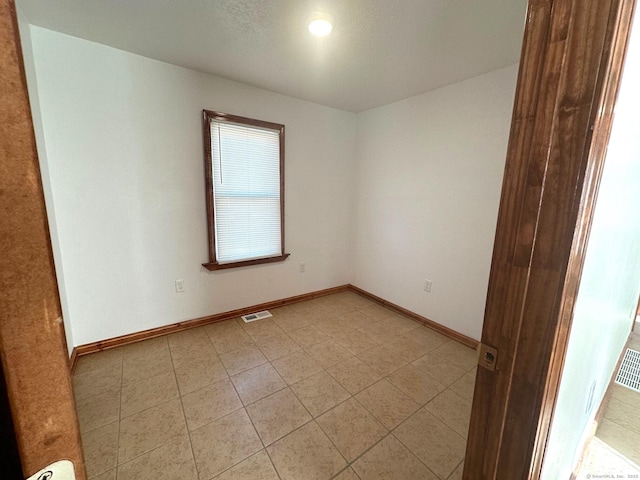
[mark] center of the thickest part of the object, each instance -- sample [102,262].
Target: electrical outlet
[303,267]
[427,286]
[180,286]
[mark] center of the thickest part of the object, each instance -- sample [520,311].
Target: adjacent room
[389,136]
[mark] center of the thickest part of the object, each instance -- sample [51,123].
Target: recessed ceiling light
[320,24]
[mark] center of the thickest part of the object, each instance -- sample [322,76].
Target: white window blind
[246,191]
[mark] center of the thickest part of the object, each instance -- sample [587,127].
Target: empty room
[273,227]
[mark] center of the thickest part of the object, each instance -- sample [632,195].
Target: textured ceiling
[380,50]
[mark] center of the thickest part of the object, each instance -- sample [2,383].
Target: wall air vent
[252,317]
[629,373]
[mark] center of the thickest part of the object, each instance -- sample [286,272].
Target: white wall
[124,157]
[32,84]
[384,199]
[429,173]
[610,285]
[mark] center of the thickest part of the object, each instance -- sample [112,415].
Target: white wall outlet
[180,286]
[303,267]
[427,286]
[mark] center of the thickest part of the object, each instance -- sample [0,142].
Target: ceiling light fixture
[321,24]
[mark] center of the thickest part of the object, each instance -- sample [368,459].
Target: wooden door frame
[33,350]
[570,70]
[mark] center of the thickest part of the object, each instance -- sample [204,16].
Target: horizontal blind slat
[246,188]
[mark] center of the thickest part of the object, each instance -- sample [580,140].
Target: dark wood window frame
[208,117]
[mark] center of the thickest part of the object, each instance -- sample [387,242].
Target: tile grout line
[119,415]
[273,465]
[141,411]
[454,470]
[287,386]
[244,407]
[118,464]
[84,432]
[312,418]
[418,458]
[349,463]
[375,443]
[391,432]
[184,415]
[296,395]
[333,313]
[154,448]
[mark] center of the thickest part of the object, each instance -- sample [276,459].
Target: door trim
[33,350]
[570,70]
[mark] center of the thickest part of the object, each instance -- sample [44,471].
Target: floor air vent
[629,373]
[252,317]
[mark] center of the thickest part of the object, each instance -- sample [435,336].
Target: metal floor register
[629,373]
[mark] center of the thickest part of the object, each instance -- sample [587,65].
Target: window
[244,164]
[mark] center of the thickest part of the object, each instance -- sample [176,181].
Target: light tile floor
[333,388]
[620,425]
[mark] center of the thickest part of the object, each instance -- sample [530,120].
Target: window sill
[247,263]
